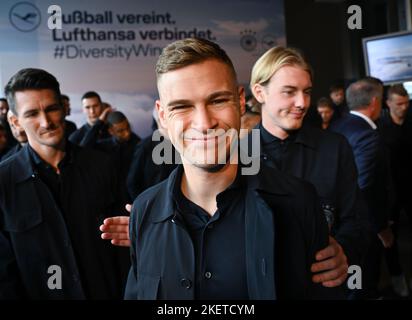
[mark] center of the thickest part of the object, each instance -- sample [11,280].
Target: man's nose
[302,100]
[204,119]
[44,120]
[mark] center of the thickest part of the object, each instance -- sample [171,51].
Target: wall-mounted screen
[389,57]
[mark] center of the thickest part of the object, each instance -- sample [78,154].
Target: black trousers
[392,254]
[370,267]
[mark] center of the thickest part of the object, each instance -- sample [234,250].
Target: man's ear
[376,106]
[83,108]
[161,113]
[375,102]
[242,100]
[258,92]
[14,122]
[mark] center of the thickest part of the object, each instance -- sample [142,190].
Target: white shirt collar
[366,118]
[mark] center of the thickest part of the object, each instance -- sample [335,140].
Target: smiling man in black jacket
[281,81]
[210,231]
[53,196]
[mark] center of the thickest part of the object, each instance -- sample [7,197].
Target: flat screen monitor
[389,57]
[408,87]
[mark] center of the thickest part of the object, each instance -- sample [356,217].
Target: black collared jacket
[143,172]
[284,229]
[325,159]
[11,152]
[34,236]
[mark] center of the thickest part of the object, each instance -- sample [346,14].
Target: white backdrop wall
[111,46]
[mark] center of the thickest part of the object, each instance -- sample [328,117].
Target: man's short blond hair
[274,59]
[182,53]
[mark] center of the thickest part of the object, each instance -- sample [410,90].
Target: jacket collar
[306,135]
[267,180]
[267,138]
[364,117]
[164,208]
[24,168]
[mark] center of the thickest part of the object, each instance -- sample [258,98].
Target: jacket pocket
[24,210]
[22,221]
[147,286]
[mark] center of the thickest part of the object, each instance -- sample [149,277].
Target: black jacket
[326,160]
[70,128]
[284,229]
[11,152]
[34,235]
[398,140]
[143,172]
[121,153]
[88,133]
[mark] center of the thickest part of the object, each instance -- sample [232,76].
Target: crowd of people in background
[354,155]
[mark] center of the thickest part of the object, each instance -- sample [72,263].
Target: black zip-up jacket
[284,228]
[36,234]
[325,159]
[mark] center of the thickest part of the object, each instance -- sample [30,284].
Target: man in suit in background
[364,98]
